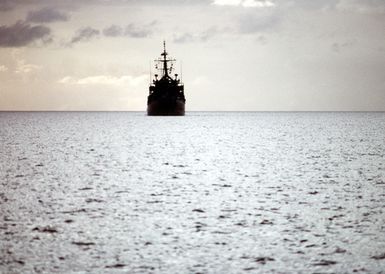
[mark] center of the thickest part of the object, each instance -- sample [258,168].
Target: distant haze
[236,54]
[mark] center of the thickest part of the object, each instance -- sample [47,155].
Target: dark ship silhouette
[166,95]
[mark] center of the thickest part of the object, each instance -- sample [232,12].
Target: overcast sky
[236,54]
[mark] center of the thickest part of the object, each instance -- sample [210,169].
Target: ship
[166,93]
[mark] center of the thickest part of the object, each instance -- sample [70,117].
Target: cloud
[306,4]
[22,34]
[113,31]
[3,68]
[185,37]
[46,15]
[84,34]
[372,6]
[6,5]
[209,33]
[23,67]
[254,23]
[245,3]
[138,32]
[105,2]
[258,4]
[338,47]
[227,2]
[188,37]
[131,30]
[126,80]
[261,39]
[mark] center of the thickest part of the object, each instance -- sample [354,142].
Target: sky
[236,55]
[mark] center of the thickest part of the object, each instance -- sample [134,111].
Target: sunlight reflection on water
[211,192]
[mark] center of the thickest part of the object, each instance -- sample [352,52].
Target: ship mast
[165,60]
[164,54]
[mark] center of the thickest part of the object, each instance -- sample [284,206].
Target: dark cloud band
[6,5]
[21,34]
[85,34]
[131,30]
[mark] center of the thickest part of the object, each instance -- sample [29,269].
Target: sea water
[210,192]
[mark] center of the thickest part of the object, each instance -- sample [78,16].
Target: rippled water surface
[120,192]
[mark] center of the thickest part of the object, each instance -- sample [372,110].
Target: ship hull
[160,108]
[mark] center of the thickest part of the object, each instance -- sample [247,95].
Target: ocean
[210,192]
